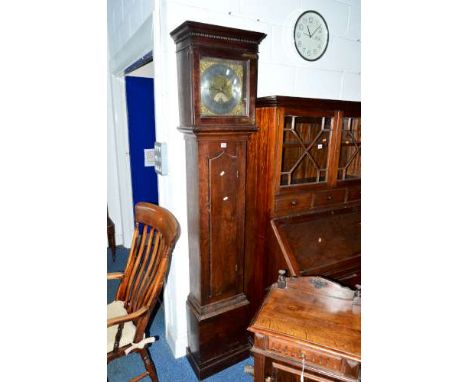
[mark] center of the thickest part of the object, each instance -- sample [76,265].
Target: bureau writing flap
[317,241]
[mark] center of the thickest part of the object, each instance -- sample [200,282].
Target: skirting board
[178,345]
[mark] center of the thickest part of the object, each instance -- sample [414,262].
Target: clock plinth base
[217,340]
[214,366]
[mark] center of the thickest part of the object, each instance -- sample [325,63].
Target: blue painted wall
[141,134]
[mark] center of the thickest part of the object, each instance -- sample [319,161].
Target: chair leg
[112,245]
[111,236]
[149,365]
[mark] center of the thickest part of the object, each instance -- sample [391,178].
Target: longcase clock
[217,84]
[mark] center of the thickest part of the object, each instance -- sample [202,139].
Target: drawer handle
[294,203]
[329,197]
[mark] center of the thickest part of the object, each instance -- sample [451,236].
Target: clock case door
[218,306]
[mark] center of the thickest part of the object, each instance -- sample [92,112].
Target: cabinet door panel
[349,166]
[304,157]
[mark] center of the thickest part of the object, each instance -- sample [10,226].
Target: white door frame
[139,44]
[148,38]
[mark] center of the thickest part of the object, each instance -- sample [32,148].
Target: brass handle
[294,203]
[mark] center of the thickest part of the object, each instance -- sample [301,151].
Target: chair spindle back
[156,231]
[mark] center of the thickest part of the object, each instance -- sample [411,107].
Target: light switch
[149,157]
[160,157]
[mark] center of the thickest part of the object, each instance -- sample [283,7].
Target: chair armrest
[115,276]
[127,317]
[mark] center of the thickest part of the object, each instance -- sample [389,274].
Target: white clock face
[311,36]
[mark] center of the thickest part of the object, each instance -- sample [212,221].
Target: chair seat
[116,309]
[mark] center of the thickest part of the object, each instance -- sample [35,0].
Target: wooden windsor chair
[156,232]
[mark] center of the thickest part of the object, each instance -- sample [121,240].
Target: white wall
[336,75]
[113,195]
[145,71]
[281,71]
[124,19]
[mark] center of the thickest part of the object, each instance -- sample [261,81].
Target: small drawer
[325,198]
[313,357]
[292,203]
[354,194]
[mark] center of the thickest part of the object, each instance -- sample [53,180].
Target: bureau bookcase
[303,170]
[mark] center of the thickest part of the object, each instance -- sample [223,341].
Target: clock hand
[227,85]
[215,88]
[309,31]
[314,32]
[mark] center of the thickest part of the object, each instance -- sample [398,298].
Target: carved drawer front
[292,203]
[316,358]
[325,198]
[313,357]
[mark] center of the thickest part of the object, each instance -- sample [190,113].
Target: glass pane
[350,150]
[285,179]
[305,150]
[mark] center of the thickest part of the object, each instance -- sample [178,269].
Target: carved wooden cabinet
[304,159]
[217,74]
[309,329]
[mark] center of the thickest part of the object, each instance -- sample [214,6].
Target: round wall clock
[311,35]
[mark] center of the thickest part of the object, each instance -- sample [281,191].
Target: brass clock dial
[222,89]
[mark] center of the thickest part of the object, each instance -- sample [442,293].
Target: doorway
[139,87]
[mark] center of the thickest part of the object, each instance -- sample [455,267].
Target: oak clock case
[311,35]
[217,86]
